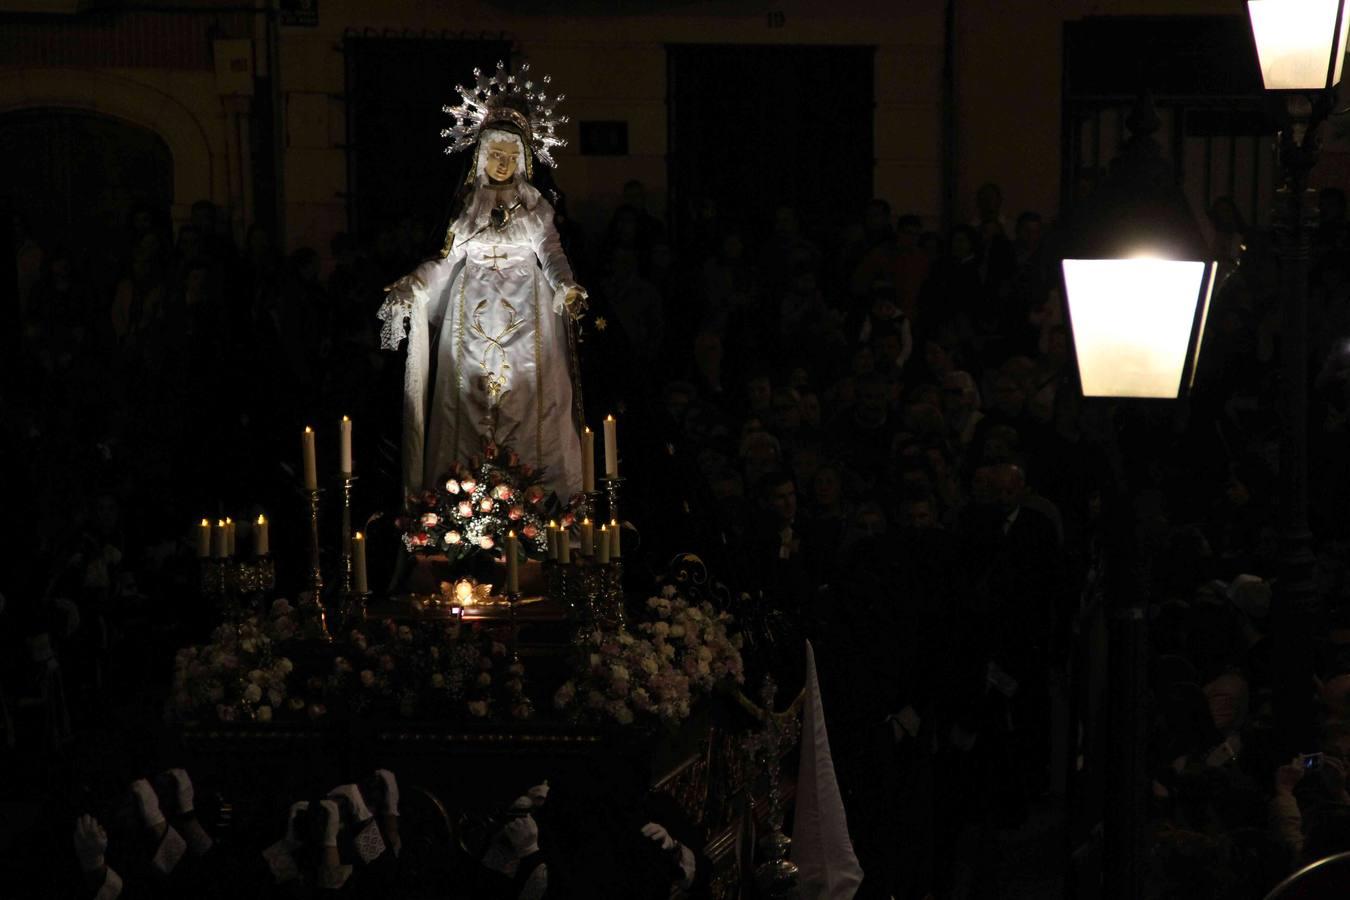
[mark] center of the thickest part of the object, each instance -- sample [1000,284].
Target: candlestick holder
[348,481]
[316,610]
[591,508]
[354,606]
[613,490]
[212,577]
[266,566]
[512,598]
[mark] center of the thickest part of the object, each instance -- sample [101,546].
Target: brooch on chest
[500,216]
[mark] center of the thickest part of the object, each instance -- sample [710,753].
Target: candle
[615,552]
[359,562]
[311,470]
[229,536]
[204,539]
[564,545]
[588,460]
[552,539]
[218,540]
[345,464]
[587,537]
[611,448]
[602,546]
[512,564]
[261,545]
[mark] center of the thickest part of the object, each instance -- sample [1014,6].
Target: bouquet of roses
[238,675]
[681,652]
[478,503]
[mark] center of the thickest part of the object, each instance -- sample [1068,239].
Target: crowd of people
[872,431]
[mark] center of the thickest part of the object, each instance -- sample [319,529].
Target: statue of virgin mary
[491,355]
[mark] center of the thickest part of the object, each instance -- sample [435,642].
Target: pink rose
[516,513]
[430,520]
[485,542]
[478,708]
[465,509]
[467,485]
[485,505]
[530,531]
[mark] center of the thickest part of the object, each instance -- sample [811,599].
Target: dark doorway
[400,178]
[74,175]
[754,127]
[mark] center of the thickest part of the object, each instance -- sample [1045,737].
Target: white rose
[264,714]
[252,693]
[618,672]
[248,645]
[649,666]
[284,666]
[704,653]
[437,680]
[661,629]
[256,676]
[677,631]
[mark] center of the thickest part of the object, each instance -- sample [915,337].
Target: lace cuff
[399,304]
[281,862]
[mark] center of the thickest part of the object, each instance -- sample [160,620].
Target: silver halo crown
[504,97]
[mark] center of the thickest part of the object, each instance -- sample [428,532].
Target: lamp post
[1137,283]
[1300,45]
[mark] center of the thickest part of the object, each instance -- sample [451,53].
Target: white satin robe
[488,353]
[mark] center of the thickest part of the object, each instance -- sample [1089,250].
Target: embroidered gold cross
[494,257]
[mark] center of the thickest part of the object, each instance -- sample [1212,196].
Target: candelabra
[613,490]
[348,481]
[354,607]
[315,567]
[590,506]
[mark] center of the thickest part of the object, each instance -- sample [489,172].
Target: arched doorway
[74,175]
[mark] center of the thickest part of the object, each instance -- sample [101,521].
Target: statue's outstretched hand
[573,300]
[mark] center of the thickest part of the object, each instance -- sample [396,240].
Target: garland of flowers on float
[656,673]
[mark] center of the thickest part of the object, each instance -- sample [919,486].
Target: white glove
[90,843]
[332,822]
[352,794]
[292,839]
[538,794]
[523,835]
[682,855]
[182,788]
[389,802]
[147,804]
[658,833]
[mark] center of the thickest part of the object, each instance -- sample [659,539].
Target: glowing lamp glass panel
[1294,42]
[1132,321]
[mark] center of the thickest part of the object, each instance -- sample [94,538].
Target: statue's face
[501,160]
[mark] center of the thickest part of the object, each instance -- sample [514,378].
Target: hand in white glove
[659,836]
[181,785]
[523,835]
[292,840]
[538,794]
[147,804]
[90,843]
[388,801]
[332,822]
[352,794]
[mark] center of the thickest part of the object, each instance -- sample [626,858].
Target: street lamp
[1137,283]
[1300,43]
[1301,48]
